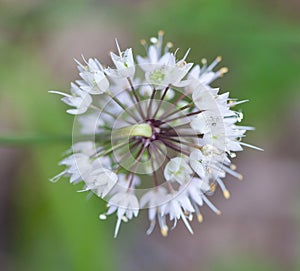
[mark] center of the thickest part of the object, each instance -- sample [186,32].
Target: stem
[150,103]
[182,135]
[113,148]
[15,140]
[178,110]
[161,100]
[153,170]
[133,168]
[117,101]
[136,98]
[173,146]
[173,127]
[108,113]
[184,116]
[178,100]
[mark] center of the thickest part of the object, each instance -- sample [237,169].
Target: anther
[169,44]
[200,218]
[164,231]
[226,194]
[223,70]
[161,33]
[204,61]
[233,166]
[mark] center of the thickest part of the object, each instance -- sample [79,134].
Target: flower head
[163,140]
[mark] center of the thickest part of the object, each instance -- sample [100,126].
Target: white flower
[163,138]
[177,169]
[101,181]
[205,74]
[153,200]
[94,80]
[195,162]
[91,124]
[124,63]
[156,54]
[126,205]
[204,98]
[169,73]
[176,207]
[79,99]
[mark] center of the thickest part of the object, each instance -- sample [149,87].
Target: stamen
[204,61]
[164,231]
[119,50]
[210,205]
[163,226]
[224,189]
[231,172]
[251,146]
[233,166]
[117,227]
[213,64]
[223,71]
[186,223]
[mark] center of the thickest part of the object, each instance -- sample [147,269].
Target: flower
[124,63]
[93,80]
[159,120]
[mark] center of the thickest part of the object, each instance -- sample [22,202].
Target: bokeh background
[46,226]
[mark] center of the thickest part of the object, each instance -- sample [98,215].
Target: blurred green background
[46,226]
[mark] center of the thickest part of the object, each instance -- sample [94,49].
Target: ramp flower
[152,133]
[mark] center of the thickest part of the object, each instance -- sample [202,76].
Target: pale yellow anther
[213,187]
[164,231]
[226,194]
[203,61]
[200,218]
[233,166]
[223,70]
[161,32]
[218,212]
[143,42]
[219,58]
[240,177]
[169,44]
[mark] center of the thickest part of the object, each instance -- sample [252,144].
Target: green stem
[15,140]
[143,129]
